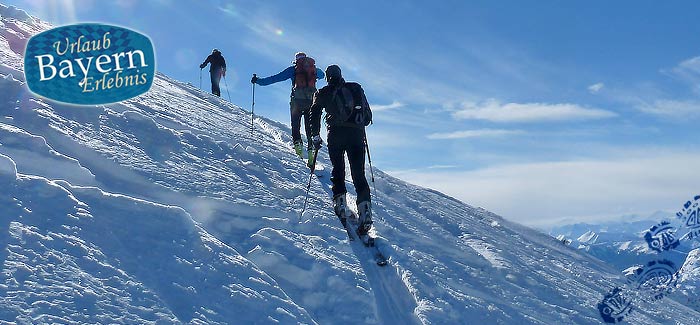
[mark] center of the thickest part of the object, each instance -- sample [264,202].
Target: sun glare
[61,11]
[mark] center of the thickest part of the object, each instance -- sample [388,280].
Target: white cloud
[381,138]
[230,10]
[687,71]
[540,193]
[595,88]
[393,105]
[689,66]
[492,110]
[473,134]
[673,108]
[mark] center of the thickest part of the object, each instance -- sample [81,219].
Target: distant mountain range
[621,244]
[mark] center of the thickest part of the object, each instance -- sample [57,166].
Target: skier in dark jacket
[343,138]
[303,74]
[216,70]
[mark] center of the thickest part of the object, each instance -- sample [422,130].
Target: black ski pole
[252,111]
[200,78]
[369,158]
[228,93]
[308,186]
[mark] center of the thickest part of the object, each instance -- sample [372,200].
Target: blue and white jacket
[287,73]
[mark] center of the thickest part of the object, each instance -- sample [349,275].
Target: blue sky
[536,110]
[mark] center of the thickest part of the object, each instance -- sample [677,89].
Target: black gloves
[317,141]
[254,79]
[201,66]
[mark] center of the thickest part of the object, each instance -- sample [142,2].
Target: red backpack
[304,72]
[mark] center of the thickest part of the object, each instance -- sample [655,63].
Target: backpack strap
[332,102]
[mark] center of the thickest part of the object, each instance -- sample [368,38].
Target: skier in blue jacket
[303,74]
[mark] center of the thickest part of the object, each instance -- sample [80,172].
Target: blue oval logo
[89,64]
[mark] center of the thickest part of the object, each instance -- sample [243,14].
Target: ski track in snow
[164,208]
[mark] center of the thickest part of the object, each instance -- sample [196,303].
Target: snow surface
[164,209]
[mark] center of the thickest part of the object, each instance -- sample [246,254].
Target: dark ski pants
[348,140]
[215,75]
[299,108]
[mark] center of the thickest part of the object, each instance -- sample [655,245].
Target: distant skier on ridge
[347,115]
[304,75]
[216,70]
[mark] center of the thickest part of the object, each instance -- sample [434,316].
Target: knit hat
[299,55]
[333,74]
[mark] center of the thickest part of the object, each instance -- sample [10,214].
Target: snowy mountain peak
[589,238]
[8,169]
[164,209]
[13,12]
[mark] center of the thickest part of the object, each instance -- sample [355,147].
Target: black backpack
[349,106]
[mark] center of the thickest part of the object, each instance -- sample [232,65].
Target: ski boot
[341,207]
[364,209]
[310,161]
[298,147]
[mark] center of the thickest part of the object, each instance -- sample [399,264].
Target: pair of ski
[351,228]
[367,240]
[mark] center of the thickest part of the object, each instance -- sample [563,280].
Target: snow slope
[689,280]
[80,255]
[164,209]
